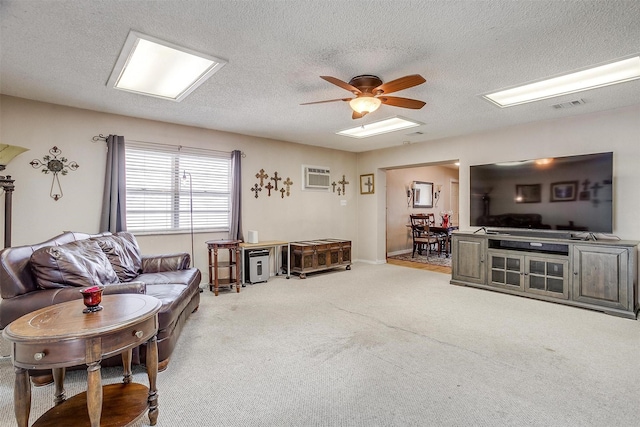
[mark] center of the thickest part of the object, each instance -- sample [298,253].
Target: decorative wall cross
[343,182]
[262,176]
[585,184]
[288,183]
[368,184]
[333,184]
[269,187]
[276,179]
[56,166]
[282,190]
[595,187]
[255,189]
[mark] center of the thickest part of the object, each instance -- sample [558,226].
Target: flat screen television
[573,193]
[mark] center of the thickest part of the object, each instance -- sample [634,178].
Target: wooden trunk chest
[317,255]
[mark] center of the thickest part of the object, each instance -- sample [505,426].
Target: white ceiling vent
[569,104]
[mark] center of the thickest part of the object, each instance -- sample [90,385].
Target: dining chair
[431,217]
[422,237]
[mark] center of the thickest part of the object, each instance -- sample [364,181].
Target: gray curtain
[235,229]
[114,208]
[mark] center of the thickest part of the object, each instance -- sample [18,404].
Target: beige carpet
[383,345]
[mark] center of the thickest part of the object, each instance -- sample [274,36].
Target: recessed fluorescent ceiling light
[153,67]
[376,128]
[603,75]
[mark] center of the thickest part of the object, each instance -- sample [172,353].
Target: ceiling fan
[370,92]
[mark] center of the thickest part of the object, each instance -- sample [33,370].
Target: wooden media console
[600,275]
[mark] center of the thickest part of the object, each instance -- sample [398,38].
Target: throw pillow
[123,253]
[81,263]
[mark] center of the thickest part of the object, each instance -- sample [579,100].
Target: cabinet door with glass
[506,270]
[547,276]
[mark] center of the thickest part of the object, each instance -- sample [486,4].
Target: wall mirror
[422,194]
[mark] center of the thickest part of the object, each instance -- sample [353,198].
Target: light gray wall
[616,130]
[304,215]
[36,217]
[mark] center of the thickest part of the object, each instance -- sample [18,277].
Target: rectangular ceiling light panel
[153,67]
[603,75]
[376,128]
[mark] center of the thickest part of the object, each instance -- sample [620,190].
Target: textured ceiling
[63,52]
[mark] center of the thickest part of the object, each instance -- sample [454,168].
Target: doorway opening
[400,194]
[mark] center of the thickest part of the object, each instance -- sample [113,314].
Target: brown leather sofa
[51,272]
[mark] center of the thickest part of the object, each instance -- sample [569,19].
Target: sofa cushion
[178,277]
[123,253]
[81,263]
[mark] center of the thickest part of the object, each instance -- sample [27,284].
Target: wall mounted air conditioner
[316,177]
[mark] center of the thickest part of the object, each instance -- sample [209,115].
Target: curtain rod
[101,137]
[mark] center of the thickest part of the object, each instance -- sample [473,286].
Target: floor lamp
[184,178]
[7,153]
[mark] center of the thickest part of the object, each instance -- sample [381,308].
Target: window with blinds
[168,187]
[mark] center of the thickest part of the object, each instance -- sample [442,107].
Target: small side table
[61,335]
[233,264]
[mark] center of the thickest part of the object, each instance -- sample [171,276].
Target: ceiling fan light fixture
[365,104]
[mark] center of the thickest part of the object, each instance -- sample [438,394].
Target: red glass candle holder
[92,297]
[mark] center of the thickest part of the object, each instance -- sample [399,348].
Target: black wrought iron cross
[255,189]
[56,166]
[269,187]
[343,182]
[276,179]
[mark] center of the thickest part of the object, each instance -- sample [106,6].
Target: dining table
[448,230]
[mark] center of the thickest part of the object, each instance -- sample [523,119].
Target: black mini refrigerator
[256,265]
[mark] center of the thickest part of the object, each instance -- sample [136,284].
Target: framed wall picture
[565,191]
[366,184]
[422,194]
[530,193]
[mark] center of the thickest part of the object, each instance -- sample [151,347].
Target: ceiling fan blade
[329,100]
[400,84]
[357,115]
[402,102]
[343,85]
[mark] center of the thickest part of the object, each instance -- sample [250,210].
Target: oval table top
[66,320]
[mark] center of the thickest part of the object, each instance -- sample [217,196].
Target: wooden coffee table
[61,336]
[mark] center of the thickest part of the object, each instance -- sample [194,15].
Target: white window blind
[158,188]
